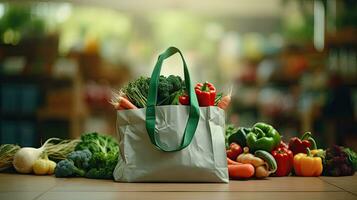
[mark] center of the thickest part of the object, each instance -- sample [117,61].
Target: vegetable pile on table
[259,152]
[95,156]
[252,152]
[28,159]
[92,156]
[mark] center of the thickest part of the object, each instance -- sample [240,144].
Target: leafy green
[137,91]
[96,156]
[230,129]
[352,157]
[337,162]
[102,166]
[7,152]
[105,154]
[95,142]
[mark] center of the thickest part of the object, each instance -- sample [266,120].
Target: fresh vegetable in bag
[206,94]
[169,89]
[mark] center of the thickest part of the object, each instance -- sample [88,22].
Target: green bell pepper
[263,137]
[239,136]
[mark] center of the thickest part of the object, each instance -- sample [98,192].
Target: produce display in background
[265,154]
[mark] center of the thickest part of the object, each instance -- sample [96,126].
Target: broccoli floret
[80,158]
[164,90]
[104,154]
[102,165]
[66,168]
[143,85]
[168,88]
[176,83]
[100,173]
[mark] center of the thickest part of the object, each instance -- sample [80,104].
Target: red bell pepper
[206,94]
[234,151]
[300,145]
[284,159]
[283,145]
[184,99]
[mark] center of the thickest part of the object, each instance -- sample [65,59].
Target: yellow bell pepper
[307,165]
[317,152]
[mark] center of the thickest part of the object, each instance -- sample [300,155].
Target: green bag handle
[194,114]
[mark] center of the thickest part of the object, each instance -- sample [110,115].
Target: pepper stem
[205,87]
[313,143]
[308,152]
[306,136]
[246,149]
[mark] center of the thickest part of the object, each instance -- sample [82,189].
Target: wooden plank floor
[30,187]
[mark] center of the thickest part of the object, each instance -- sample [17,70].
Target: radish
[27,156]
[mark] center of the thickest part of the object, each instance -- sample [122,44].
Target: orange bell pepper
[307,165]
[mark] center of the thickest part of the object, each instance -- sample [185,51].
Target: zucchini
[268,158]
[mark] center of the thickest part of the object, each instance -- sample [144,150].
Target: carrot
[226,100]
[126,104]
[120,102]
[116,105]
[241,171]
[232,162]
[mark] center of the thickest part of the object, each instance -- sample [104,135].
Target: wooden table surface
[26,187]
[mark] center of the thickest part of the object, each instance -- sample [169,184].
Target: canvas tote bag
[171,143]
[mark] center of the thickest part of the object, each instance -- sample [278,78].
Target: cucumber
[268,158]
